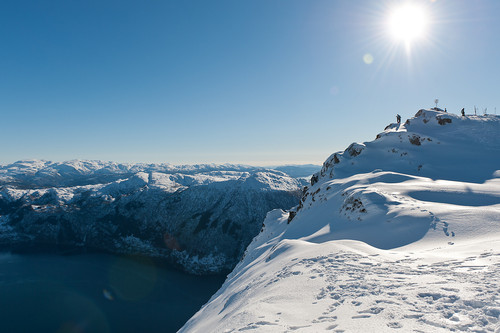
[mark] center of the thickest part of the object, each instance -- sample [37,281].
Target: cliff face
[201,221]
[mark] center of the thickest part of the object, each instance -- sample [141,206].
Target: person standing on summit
[398,118]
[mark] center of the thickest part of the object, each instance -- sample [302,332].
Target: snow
[29,174]
[400,233]
[201,220]
[276,180]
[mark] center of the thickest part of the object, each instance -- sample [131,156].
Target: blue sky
[255,82]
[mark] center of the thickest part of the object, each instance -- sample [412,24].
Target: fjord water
[97,293]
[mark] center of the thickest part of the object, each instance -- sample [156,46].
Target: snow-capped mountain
[199,217]
[39,173]
[402,232]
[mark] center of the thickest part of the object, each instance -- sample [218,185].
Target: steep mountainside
[201,220]
[402,232]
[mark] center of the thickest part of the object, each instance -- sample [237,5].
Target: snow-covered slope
[201,219]
[400,233]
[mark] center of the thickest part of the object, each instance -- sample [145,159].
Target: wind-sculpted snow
[401,233]
[201,221]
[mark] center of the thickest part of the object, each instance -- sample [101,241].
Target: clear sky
[255,82]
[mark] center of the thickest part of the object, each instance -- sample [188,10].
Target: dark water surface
[97,293]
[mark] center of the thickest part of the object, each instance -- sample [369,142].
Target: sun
[408,22]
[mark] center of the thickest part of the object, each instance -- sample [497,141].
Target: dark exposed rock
[415,140]
[390,126]
[304,190]
[443,121]
[314,193]
[353,204]
[314,179]
[355,149]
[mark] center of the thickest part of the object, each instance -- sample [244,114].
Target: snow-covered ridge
[431,144]
[201,220]
[402,232]
[40,173]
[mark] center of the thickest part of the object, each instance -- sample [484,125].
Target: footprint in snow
[374,310]
[394,324]
[331,327]
[360,316]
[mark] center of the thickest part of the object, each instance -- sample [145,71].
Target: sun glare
[408,22]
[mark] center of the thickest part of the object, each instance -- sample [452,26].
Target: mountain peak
[399,232]
[425,145]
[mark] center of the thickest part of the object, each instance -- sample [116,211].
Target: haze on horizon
[253,82]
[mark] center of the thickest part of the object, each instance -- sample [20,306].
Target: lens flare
[132,278]
[368,59]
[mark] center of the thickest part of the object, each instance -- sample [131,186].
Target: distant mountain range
[298,171]
[41,173]
[200,217]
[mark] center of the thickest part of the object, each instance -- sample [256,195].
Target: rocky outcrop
[443,121]
[354,150]
[415,140]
